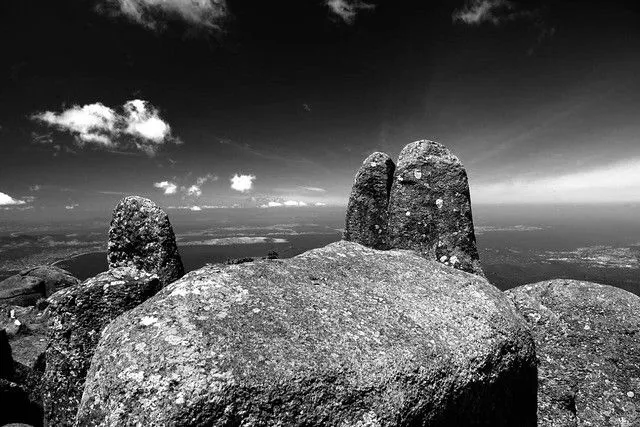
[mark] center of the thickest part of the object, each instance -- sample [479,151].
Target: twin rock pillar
[423,204]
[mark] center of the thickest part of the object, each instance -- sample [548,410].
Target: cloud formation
[153,14]
[314,189]
[167,186]
[347,10]
[242,183]
[196,189]
[286,203]
[6,200]
[137,125]
[496,12]
[619,182]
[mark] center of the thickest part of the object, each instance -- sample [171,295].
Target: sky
[200,104]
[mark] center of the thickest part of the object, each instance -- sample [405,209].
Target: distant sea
[517,244]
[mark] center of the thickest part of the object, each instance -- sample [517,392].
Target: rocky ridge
[341,335]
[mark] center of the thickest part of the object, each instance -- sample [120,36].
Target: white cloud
[480,11]
[205,14]
[195,208]
[288,203]
[315,189]
[242,183]
[6,200]
[320,204]
[168,187]
[196,189]
[619,182]
[143,122]
[348,9]
[138,125]
[91,123]
[294,203]
[35,187]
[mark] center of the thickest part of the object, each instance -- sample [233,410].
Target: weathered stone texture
[588,343]
[366,220]
[142,236]
[28,286]
[341,335]
[430,207]
[78,315]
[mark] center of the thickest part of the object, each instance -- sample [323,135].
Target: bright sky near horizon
[273,104]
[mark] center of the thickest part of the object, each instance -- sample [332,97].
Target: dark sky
[540,99]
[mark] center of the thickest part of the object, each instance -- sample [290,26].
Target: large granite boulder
[337,336]
[142,236]
[430,206]
[588,342]
[30,285]
[78,315]
[366,221]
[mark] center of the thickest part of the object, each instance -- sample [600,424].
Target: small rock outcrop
[141,236]
[430,206]
[588,343]
[26,328]
[341,335]
[30,285]
[78,315]
[366,221]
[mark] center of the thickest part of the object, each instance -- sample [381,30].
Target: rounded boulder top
[141,236]
[420,151]
[587,339]
[366,219]
[430,206]
[343,335]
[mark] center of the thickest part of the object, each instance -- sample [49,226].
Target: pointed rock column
[430,206]
[366,221]
[141,236]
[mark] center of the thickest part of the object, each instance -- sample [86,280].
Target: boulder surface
[28,286]
[588,343]
[366,221]
[142,236]
[78,315]
[341,335]
[430,206]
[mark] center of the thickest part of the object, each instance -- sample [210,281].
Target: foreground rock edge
[325,337]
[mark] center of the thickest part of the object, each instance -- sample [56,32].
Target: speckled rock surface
[430,207]
[338,336]
[366,220]
[26,287]
[588,343]
[78,315]
[142,236]
[26,329]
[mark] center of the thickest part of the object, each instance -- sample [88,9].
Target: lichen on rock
[588,343]
[341,335]
[141,236]
[367,219]
[430,207]
[78,315]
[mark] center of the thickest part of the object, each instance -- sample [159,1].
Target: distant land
[517,244]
